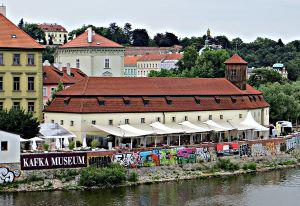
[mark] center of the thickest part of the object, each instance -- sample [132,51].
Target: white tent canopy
[116,131]
[132,129]
[160,128]
[54,131]
[218,127]
[195,127]
[252,124]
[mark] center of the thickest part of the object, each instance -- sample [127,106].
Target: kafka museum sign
[53,160]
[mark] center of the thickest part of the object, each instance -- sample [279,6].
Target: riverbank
[69,179]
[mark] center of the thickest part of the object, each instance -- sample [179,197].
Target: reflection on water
[270,189]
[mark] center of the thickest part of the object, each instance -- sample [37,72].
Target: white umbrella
[66,142]
[84,142]
[33,145]
[36,139]
[57,144]
[23,140]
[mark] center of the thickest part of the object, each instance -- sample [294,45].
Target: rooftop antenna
[236,48]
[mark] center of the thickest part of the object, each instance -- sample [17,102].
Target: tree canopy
[33,30]
[19,122]
[263,76]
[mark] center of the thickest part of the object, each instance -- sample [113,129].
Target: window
[240,116]
[233,72]
[199,118]
[16,85]
[158,119]
[30,83]
[52,121]
[61,122]
[44,91]
[16,59]
[1,105]
[1,59]
[173,119]
[210,117]
[1,83]
[77,63]
[221,116]
[106,64]
[110,122]
[142,120]
[94,122]
[71,123]
[30,106]
[186,118]
[16,105]
[30,59]
[126,121]
[4,146]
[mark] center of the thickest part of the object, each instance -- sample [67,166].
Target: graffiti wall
[99,159]
[9,173]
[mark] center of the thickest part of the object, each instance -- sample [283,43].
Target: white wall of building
[92,61]
[234,116]
[12,154]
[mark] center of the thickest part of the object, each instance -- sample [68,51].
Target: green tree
[140,37]
[189,58]
[59,88]
[293,68]
[210,64]
[48,54]
[19,122]
[264,76]
[283,100]
[166,40]
[21,24]
[34,31]
[163,73]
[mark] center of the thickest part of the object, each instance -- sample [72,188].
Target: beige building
[94,54]
[21,75]
[107,104]
[56,32]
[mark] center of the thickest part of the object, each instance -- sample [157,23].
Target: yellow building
[20,69]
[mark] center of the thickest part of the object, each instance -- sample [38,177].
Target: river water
[264,189]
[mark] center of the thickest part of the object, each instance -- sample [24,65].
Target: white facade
[169,64]
[58,37]
[115,119]
[9,147]
[94,62]
[145,67]
[130,71]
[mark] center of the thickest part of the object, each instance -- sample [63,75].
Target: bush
[46,147]
[95,144]
[226,165]
[102,177]
[133,177]
[71,145]
[249,166]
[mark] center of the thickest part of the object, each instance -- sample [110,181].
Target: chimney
[90,34]
[3,10]
[68,69]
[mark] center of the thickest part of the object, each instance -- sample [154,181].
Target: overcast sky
[234,18]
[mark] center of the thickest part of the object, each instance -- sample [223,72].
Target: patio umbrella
[66,142]
[84,142]
[57,143]
[33,145]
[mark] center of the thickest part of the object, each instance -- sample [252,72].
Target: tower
[236,71]
[208,33]
[3,10]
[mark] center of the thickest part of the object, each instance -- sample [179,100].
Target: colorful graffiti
[8,176]
[245,150]
[127,159]
[203,155]
[186,155]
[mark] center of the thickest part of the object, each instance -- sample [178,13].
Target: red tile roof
[131,60]
[97,41]
[235,59]
[120,86]
[51,75]
[187,94]
[12,36]
[155,104]
[52,27]
[176,56]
